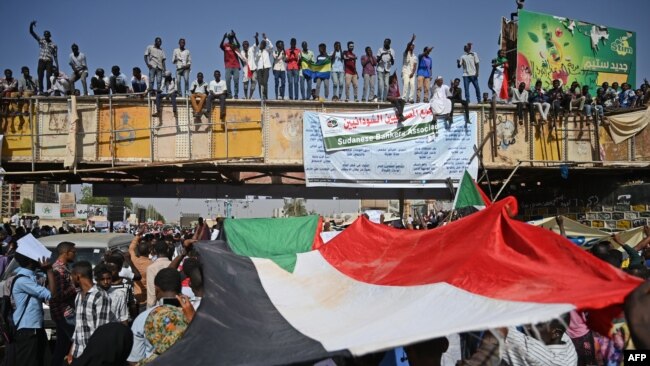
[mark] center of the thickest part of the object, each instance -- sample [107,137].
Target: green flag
[468,194]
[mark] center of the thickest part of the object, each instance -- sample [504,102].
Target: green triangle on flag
[468,195]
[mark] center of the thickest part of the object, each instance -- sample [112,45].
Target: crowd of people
[135,304]
[131,298]
[252,64]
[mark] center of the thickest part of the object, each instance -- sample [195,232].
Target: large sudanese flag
[374,288]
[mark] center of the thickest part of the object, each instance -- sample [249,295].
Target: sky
[117,32]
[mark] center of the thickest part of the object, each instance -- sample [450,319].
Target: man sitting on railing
[519,97]
[139,82]
[199,92]
[118,81]
[9,85]
[217,90]
[627,96]
[27,86]
[168,90]
[99,83]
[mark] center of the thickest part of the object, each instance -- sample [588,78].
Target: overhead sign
[551,47]
[347,130]
[426,161]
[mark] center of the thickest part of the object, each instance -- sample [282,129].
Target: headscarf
[164,326]
[110,345]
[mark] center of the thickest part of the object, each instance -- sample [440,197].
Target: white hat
[438,77]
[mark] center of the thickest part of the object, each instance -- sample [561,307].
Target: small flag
[469,194]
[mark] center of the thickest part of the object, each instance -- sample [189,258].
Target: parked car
[90,247]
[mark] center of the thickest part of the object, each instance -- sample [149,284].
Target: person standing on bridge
[79,67]
[47,57]
[231,61]
[183,61]
[154,58]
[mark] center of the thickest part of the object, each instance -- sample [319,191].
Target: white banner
[423,162]
[354,129]
[50,211]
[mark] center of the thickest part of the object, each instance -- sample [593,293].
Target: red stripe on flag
[486,253]
[484,196]
[503,93]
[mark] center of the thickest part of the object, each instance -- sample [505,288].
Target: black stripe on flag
[237,324]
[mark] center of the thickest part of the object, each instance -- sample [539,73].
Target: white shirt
[60,83]
[440,92]
[383,61]
[469,61]
[78,62]
[279,63]
[517,96]
[262,58]
[218,87]
[409,63]
[440,104]
[522,350]
[250,58]
[200,88]
[181,59]
[214,235]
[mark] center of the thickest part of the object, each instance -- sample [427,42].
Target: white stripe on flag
[343,313]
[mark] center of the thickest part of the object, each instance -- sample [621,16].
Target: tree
[295,207]
[26,206]
[88,198]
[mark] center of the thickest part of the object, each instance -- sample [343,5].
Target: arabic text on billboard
[550,47]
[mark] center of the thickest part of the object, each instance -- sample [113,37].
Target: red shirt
[293,58]
[230,58]
[350,64]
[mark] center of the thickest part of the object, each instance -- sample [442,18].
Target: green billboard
[551,47]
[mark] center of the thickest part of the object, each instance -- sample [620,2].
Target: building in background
[13,195]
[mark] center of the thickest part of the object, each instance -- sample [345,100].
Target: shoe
[426,100]
[347,100]
[175,114]
[373,99]
[417,100]
[356,100]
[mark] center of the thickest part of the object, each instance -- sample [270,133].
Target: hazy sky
[117,32]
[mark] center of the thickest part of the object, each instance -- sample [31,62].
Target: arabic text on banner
[347,130]
[422,162]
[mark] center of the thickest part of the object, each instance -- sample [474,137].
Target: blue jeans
[159,98]
[280,79]
[293,84]
[382,88]
[232,74]
[305,94]
[474,81]
[589,108]
[64,331]
[185,75]
[338,83]
[156,74]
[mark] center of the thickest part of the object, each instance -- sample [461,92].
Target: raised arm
[31,31]
[225,35]
[408,45]
[137,276]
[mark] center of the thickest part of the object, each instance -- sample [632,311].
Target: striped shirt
[522,350]
[47,49]
[93,310]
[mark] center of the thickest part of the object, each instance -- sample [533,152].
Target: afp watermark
[636,358]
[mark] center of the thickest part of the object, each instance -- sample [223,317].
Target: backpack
[7,307]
